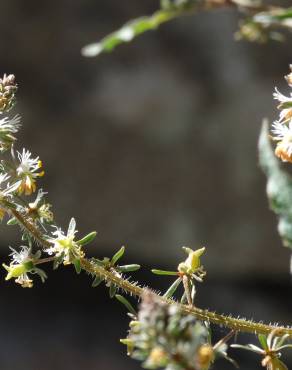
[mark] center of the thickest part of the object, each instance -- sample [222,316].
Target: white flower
[285,105]
[281,130]
[281,98]
[8,127]
[20,257]
[26,171]
[64,245]
[283,134]
[22,263]
[6,191]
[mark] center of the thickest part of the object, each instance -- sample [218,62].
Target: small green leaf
[263,341]
[183,299]
[126,303]
[87,239]
[77,265]
[41,274]
[112,290]
[128,268]
[171,290]
[98,262]
[163,272]
[12,221]
[118,255]
[97,280]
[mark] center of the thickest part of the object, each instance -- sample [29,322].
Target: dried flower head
[8,88]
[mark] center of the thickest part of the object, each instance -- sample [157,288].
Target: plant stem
[237,325]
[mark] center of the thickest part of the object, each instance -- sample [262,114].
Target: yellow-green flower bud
[205,356]
[130,345]
[192,263]
[14,271]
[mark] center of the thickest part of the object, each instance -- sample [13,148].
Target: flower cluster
[164,334]
[282,128]
[18,181]
[162,337]
[8,88]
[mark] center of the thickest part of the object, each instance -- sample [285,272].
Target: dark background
[155,147]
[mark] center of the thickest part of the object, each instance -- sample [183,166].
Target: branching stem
[235,324]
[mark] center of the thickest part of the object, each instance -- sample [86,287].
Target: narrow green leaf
[77,265]
[263,341]
[126,303]
[112,290]
[98,262]
[183,299]
[87,239]
[12,221]
[97,280]
[118,255]
[58,261]
[163,272]
[171,290]
[128,268]
[56,264]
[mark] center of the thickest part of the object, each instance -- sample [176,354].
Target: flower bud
[192,263]
[205,356]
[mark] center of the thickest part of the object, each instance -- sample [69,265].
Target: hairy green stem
[235,324]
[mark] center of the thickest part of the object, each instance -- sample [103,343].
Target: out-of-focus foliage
[279,186]
[260,22]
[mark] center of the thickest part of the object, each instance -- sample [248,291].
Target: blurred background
[153,146]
